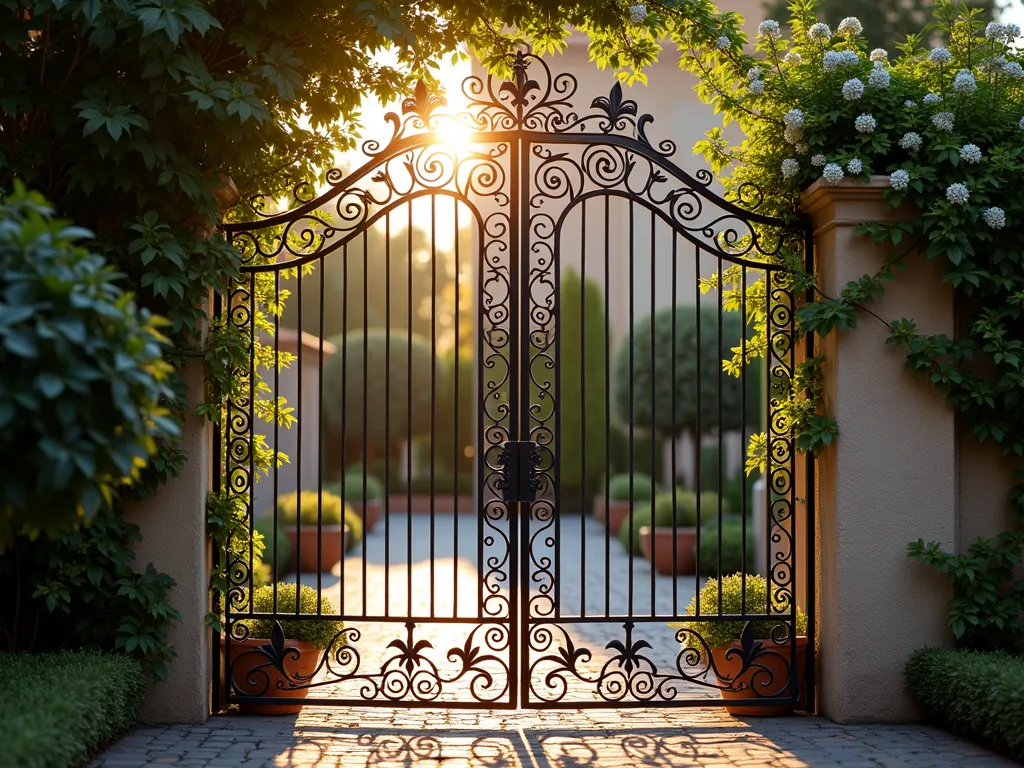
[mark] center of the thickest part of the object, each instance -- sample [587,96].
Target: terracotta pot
[332,546]
[374,510]
[767,677]
[613,515]
[251,673]
[672,549]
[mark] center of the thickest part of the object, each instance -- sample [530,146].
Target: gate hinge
[519,461]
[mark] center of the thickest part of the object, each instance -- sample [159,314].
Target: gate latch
[519,461]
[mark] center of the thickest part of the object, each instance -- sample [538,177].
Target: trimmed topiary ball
[354,523]
[732,552]
[680,507]
[288,507]
[319,633]
[618,486]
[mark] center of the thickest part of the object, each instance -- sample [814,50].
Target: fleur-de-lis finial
[423,103]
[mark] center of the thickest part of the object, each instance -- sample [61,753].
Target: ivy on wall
[943,124]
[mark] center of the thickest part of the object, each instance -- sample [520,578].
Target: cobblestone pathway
[388,738]
[447,585]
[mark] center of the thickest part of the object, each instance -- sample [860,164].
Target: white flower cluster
[1013,69]
[790,168]
[940,55]
[970,153]
[911,141]
[932,98]
[794,118]
[638,13]
[832,60]
[853,89]
[754,73]
[855,166]
[793,134]
[879,55]
[723,43]
[850,26]
[995,64]
[957,194]
[879,78]
[865,123]
[1005,32]
[910,104]
[899,180]
[801,148]
[756,87]
[769,28]
[964,82]
[1020,123]
[995,217]
[819,33]
[819,160]
[943,121]
[792,58]
[832,174]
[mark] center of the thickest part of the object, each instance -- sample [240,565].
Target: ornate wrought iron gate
[514,595]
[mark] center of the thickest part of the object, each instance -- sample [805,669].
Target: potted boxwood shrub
[745,657]
[354,496]
[282,661]
[318,545]
[616,509]
[667,536]
[732,549]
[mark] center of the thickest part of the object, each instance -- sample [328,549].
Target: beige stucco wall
[888,479]
[173,526]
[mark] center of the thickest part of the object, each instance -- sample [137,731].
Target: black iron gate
[504,328]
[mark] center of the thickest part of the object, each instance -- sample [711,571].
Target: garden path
[598,738]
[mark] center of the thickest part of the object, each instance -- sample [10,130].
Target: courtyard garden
[130,133]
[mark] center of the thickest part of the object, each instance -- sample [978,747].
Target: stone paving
[384,736]
[328,737]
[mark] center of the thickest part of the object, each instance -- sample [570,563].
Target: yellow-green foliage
[354,522]
[717,633]
[317,632]
[309,501]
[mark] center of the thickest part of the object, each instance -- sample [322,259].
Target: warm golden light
[454,134]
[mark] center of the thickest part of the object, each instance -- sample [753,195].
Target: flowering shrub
[944,126]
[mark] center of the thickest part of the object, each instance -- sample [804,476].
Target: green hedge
[58,709]
[979,696]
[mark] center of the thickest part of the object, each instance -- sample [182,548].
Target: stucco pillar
[173,526]
[888,479]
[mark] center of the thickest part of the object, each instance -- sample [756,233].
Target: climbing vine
[943,125]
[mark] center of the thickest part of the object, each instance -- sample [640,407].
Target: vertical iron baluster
[632,376]
[366,387]
[220,464]
[387,414]
[408,423]
[583,410]
[298,450]
[455,427]
[743,437]
[654,429]
[555,267]
[675,429]
[698,464]
[607,408]
[277,415]
[721,458]
[320,434]
[433,381]
[769,365]
[344,411]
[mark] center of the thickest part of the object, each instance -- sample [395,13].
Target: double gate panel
[511,317]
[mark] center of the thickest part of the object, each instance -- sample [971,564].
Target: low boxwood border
[979,696]
[58,709]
